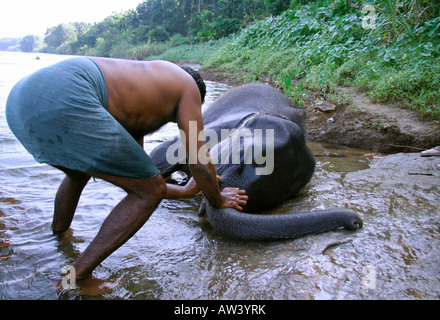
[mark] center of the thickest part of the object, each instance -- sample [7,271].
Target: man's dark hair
[198,79]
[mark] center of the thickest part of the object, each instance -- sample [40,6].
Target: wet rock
[325,106]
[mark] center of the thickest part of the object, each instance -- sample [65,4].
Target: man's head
[198,79]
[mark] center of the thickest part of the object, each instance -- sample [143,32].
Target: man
[88,116]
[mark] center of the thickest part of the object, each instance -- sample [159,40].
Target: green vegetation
[388,48]
[154,22]
[324,45]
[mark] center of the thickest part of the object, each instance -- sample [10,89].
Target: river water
[176,255]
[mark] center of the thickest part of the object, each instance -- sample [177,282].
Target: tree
[28,43]
[59,35]
[159,34]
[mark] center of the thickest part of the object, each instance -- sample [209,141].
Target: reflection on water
[176,255]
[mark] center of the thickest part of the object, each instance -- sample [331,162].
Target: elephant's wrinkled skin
[250,107]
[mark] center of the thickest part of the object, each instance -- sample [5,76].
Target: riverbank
[350,118]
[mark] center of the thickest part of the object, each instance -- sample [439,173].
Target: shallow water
[176,255]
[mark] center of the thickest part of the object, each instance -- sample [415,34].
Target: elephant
[257,119]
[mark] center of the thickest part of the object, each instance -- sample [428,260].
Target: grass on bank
[323,44]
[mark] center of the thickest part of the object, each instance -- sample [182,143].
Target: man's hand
[233,198]
[229,197]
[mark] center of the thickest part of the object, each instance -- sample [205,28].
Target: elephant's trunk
[237,225]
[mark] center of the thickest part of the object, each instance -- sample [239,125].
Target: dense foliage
[325,44]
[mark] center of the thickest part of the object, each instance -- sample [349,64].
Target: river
[176,255]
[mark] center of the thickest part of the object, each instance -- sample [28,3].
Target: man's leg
[143,197]
[67,198]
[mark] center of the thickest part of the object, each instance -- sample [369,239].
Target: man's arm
[204,173]
[180,192]
[190,121]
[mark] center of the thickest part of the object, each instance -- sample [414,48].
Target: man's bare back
[144,95]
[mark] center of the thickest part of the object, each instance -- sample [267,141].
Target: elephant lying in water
[257,142]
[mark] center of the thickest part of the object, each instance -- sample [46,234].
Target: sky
[19,18]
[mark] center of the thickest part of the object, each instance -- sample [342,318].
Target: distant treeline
[10,44]
[184,21]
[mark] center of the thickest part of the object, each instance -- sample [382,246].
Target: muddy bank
[357,122]
[363,124]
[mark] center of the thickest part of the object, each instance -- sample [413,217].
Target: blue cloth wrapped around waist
[59,115]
